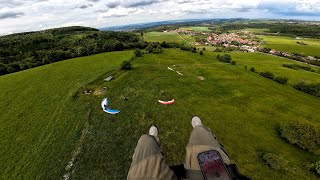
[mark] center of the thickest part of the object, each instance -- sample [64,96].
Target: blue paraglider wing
[111,111]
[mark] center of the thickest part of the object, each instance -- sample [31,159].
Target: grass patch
[163,36]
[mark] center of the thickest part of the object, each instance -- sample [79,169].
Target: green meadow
[47,116]
[196,28]
[288,44]
[40,117]
[163,36]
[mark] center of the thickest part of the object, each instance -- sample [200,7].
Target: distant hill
[30,49]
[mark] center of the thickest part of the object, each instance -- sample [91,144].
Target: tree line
[31,49]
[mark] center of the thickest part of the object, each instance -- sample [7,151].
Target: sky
[30,15]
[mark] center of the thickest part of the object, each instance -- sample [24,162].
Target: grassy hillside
[40,118]
[288,44]
[242,108]
[47,115]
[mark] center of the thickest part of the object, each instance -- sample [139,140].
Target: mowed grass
[288,44]
[163,36]
[263,63]
[40,117]
[242,108]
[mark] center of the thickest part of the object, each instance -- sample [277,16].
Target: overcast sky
[26,15]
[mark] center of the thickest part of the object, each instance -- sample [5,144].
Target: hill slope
[40,120]
[45,112]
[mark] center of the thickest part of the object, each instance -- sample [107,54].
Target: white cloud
[25,15]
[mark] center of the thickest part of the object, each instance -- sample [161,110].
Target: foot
[153,131]
[195,121]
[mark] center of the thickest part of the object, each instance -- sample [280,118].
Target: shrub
[201,52]
[138,53]
[252,69]
[268,75]
[233,62]
[317,167]
[275,161]
[297,66]
[225,58]
[204,49]
[218,56]
[302,133]
[194,50]
[245,67]
[11,69]
[126,65]
[282,80]
[149,49]
[313,89]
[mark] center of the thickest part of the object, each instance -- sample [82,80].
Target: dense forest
[288,29]
[27,50]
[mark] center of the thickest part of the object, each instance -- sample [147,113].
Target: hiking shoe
[195,121]
[153,131]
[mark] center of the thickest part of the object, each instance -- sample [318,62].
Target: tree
[126,65]
[11,69]
[252,69]
[194,50]
[138,53]
[141,33]
[149,49]
[201,52]
[225,58]
[204,49]
[3,69]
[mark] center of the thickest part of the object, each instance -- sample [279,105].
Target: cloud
[25,15]
[6,15]
[113,4]
[138,3]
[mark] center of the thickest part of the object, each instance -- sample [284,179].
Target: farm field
[163,36]
[288,44]
[196,28]
[242,108]
[263,63]
[40,117]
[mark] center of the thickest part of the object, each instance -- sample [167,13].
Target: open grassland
[288,44]
[40,119]
[263,63]
[163,36]
[242,108]
[196,28]
[46,110]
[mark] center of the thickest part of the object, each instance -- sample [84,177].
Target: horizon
[32,15]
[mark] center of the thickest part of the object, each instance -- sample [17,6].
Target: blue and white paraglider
[104,106]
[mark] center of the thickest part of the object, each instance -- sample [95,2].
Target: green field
[40,118]
[46,111]
[288,44]
[196,28]
[263,63]
[163,36]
